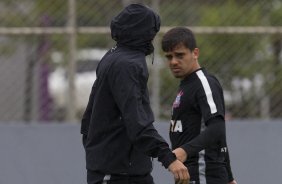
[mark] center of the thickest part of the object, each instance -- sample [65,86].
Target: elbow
[217,132]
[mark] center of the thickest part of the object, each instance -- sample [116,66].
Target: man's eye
[179,56]
[168,57]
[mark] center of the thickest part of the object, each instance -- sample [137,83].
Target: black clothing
[136,28]
[198,126]
[119,136]
[120,179]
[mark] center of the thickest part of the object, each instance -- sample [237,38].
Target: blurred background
[50,49]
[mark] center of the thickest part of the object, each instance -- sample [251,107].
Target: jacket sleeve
[85,121]
[129,88]
[210,137]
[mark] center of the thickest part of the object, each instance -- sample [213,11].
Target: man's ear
[196,53]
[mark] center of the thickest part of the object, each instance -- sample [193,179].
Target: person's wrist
[181,154]
[170,158]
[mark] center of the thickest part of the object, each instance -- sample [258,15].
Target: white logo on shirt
[224,149]
[176,126]
[177,100]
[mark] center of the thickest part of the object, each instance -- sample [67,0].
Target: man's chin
[177,76]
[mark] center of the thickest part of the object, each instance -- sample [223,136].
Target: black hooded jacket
[118,122]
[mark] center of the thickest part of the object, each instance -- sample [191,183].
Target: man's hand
[232,182]
[180,154]
[180,172]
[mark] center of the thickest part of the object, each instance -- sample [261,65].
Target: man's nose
[173,61]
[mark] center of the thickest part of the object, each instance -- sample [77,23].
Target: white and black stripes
[208,91]
[213,109]
[202,161]
[202,167]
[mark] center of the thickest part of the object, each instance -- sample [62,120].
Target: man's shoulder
[128,58]
[210,78]
[202,83]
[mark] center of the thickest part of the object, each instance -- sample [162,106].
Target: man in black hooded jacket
[117,126]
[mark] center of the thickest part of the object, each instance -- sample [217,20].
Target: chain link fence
[49,51]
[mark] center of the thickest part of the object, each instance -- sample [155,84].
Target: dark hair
[176,36]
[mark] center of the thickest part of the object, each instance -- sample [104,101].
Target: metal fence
[49,51]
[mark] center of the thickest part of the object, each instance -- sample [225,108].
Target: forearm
[152,144]
[228,167]
[213,135]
